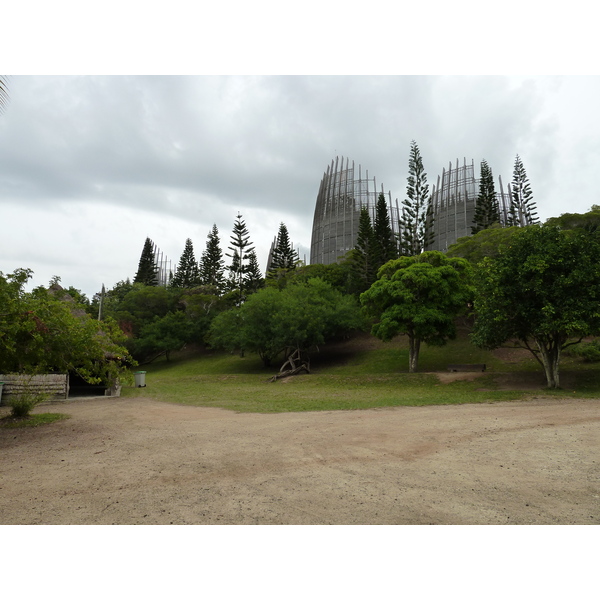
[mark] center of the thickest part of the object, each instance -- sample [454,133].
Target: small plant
[22,404]
[589,352]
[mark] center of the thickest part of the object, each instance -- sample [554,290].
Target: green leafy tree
[523,210]
[45,330]
[187,275]
[541,292]
[419,296]
[142,304]
[383,237]
[273,322]
[147,272]
[417,212]
[338,275]
[212,265]
[589,221]
[487,211]
[167,334]
[487,242]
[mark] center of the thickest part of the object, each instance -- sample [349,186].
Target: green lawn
[354,375]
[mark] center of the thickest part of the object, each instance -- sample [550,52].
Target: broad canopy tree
[419,296]
[272,322]
[46,330]
[541,291]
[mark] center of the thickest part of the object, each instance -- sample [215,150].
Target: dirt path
[129,461]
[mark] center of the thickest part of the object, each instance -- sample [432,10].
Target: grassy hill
[361,372]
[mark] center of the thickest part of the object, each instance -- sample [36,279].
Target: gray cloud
[91,165]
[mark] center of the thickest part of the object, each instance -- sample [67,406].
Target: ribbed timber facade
[342,194]
[453,202]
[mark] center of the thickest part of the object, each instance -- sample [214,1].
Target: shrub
[22,404]
[588,351]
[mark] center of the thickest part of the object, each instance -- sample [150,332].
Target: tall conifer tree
[523,210]
[417,216]
[147,272]
[253,278]
[364,265]
[186,275]
[240,253]
[212,265]
[384,243]
[283,256]
[487,211]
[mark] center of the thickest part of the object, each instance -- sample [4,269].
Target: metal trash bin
[140,378]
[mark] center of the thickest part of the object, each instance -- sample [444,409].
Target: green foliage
[141,304]
[212,265]
[46,331]
[168,333]
[363,258]
[22,404]
[338,275]
[284,257]
[271,321]
[487,211]
[522,207]
[542,290]
[147,272]
[243,260]
[588,222]
[420,297]
[384,242]
[487,242]
[186,275]
[417,212]
[588,351]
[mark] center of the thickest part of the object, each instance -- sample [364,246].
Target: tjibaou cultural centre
[345,189]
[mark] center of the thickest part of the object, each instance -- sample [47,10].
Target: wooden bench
[476,367]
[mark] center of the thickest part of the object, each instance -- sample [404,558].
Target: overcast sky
[92,165]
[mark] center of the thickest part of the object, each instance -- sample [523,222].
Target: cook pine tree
[417,213]
[212,264]
[186,276]
[253,279]
[523,210]
[487,211]
[240,249]
[362,258]
[384,242]
[283,255]
[147,272]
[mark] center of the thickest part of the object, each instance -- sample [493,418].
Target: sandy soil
[138,461]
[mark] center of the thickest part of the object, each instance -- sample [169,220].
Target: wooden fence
[55,385]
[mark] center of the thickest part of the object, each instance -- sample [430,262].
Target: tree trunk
[413,353]
[550,359]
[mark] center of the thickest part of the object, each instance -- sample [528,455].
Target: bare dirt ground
[138,461]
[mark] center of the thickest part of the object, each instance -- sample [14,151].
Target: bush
[588,351]
[22,404]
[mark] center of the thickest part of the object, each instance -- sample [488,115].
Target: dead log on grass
[296,366]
